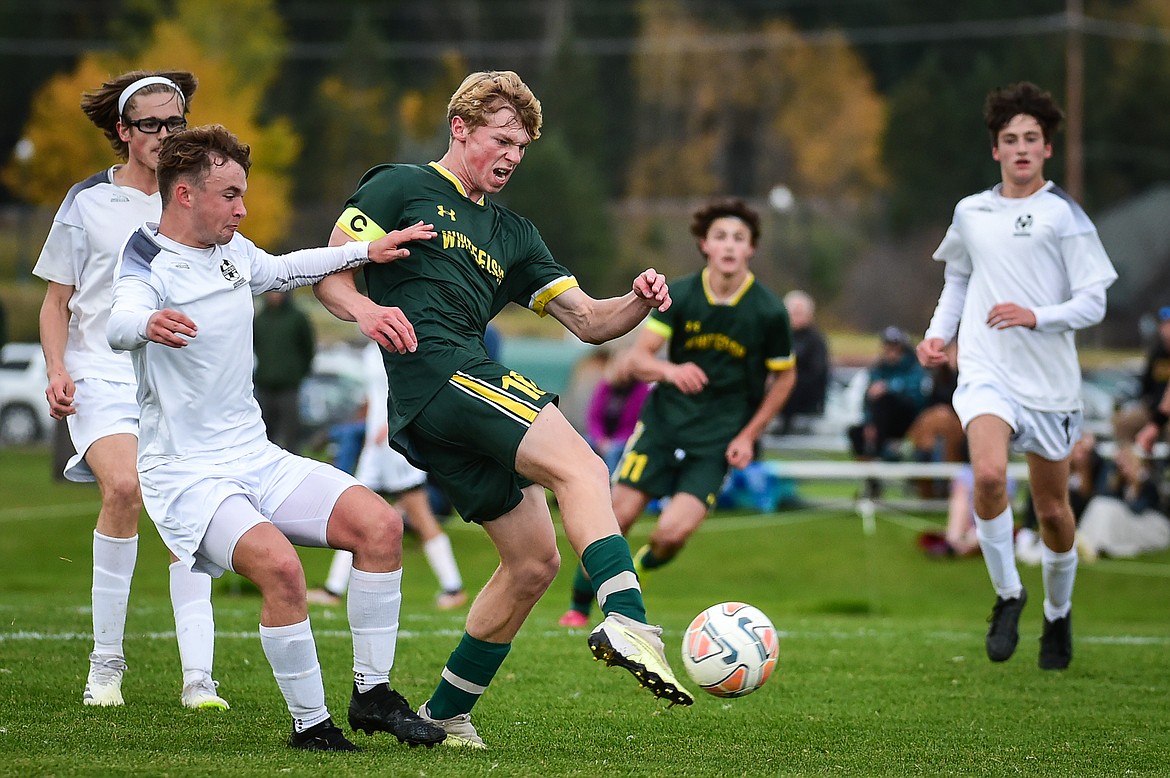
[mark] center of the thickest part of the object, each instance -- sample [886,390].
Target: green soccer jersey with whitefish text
[483,257]
[736,342]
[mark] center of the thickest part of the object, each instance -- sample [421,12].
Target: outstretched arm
[598,321]
[386,326]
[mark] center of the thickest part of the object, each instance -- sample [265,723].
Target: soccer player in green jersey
[491,437]
[728,371]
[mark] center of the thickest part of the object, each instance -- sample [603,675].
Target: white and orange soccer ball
[730,649]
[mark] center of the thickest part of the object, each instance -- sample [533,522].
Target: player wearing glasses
[93,388]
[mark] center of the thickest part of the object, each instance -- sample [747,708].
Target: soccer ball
[730,649]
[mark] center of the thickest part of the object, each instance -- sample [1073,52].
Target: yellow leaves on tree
[234,50]
[765,107]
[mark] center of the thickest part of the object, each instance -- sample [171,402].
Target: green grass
[882,670]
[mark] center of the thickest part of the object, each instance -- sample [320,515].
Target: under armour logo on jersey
[1024,224]
[229,270]
[692,326]
[446,212]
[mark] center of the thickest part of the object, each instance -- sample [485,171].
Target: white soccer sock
[1059,570]
[194,623]
[442,560]
[995,540]
[113,567]
[373,605]
[338,579]
[292,653]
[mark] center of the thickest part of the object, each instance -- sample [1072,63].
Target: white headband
[141,83]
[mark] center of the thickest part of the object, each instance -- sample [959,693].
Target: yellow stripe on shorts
[505,402]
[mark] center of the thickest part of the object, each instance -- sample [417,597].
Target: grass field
[882,670]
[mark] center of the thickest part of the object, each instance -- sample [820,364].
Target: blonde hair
[485,92]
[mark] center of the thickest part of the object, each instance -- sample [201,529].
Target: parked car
[332,393]
[24,411]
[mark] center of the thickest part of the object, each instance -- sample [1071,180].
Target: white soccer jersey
[1035,252]
[380,467]
[82,247]
[197,401]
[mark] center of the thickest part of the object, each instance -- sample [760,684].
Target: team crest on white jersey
[1024,225]
[230,273]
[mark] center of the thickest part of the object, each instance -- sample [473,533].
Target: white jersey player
[384,470]
[1024,270]
[222,496]
[93,388]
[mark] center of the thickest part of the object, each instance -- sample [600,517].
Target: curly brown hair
[701,219]
[190,154]
[101,105]
[1024,97]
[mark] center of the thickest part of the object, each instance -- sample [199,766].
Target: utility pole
[1075,100]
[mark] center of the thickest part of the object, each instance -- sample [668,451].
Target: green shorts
[467,436]
[656,465]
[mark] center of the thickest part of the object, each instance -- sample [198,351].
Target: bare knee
[368,527]
[122,494]
[381,530]
[280,577]
[990,483]
[1052,514]
[532,576]
[588,470]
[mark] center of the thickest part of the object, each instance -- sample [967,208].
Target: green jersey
[736,343]
[483,257]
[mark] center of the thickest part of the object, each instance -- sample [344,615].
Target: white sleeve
[1084,309]
[304,267]
[135,301]
[945,322]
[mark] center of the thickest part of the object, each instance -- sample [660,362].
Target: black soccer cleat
[1056,644]
[382,709]
[1004,632]
[321,737]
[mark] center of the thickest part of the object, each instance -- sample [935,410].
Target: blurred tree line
[854,126]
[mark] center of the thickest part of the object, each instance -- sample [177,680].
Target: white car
[24,411]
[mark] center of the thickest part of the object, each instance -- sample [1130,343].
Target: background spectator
[613,409]
[937,434]
[959,538]
[284,343]
[893,398]
[1126,519]
[807,400]
[1155,376]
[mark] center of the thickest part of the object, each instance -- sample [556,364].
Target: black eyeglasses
[152,126]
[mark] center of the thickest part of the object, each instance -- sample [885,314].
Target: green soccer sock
[645,560]
[608,564]
[472,666]
[582,592]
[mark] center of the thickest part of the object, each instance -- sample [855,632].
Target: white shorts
[384,470]
[103,408]
[1049,434]
[183,498]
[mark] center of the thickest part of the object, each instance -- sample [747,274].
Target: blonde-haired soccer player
[491,437]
